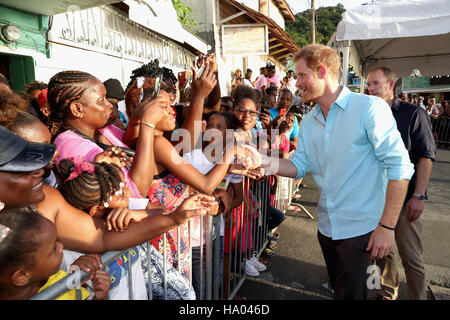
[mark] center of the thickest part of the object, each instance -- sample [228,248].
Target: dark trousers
[274,217]
[347,264]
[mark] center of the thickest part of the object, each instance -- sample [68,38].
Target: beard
[311,94]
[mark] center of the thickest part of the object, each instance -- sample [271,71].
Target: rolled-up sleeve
[386,140]
[299,158]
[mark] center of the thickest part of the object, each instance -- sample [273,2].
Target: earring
[2,205]
[106,204]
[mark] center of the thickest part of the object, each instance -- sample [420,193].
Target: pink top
[264,81]
[275,79]
[261,82]
[284,145]
[69,144]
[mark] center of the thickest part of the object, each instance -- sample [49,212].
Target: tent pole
[345,62]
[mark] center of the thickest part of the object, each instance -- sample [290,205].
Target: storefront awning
[281,45]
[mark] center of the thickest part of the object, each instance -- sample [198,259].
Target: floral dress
[169,191]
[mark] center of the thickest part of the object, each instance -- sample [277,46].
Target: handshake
[249,162]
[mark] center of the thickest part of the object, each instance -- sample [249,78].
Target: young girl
[203,159]
[31,257]
[281,140]
[175,178]
[99,189]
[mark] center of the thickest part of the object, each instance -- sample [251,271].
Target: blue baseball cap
[19,155]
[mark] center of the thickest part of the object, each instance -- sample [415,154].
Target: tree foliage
[327,19]
[184,14]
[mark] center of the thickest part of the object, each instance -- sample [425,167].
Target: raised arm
[80,232]
[143,165]
[213,101]
[200,89]
[168,157]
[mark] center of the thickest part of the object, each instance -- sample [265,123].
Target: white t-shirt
[118,269]
[248,83]
[291,85]
[198,160]
[118,272]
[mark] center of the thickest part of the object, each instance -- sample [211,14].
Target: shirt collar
[341,100]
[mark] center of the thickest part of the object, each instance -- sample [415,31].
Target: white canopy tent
[402,35]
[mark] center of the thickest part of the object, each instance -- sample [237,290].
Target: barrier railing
[222,257]
[441,130]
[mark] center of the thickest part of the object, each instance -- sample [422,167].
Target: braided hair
[152,70]
[64,88]
[89,189]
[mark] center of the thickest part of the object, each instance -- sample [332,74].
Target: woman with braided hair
[80,120]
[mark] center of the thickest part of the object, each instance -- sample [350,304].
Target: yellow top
[71,293]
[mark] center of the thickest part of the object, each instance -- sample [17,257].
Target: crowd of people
[101,169]
[88,166]
[439,114]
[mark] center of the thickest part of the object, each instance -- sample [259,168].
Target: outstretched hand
[196,205]
[241,170]
[115,155]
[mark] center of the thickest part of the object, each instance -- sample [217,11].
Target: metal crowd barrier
[283,197]
[441,130]
[247,234]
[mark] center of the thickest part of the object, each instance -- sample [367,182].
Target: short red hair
[317,55]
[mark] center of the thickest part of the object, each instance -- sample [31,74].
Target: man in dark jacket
[415,128]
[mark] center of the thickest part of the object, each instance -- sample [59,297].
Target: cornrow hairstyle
[64,88]
[87,189]
[21,243]
[152,70]
[35,85]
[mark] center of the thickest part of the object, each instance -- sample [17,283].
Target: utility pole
[313,21]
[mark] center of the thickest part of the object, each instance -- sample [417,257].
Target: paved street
[297,271]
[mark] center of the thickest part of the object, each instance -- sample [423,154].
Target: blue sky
[302,5]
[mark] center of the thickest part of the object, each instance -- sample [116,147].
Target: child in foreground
[31,258]
[99,189]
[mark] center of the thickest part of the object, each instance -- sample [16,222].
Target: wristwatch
[419,196]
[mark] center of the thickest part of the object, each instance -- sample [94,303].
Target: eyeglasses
[251,113]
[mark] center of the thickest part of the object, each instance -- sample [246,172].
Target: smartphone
[283,111]
[139,83]
[152,93]
[200,71]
